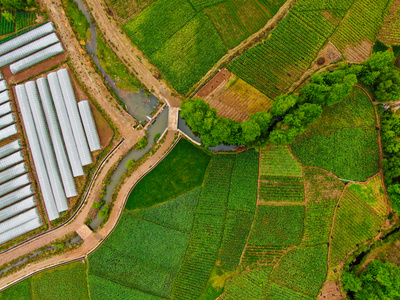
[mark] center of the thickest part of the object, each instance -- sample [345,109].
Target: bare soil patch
[214,83]
[331,291]
[360,53]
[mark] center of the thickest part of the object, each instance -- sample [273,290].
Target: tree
[387,87]
[282,104]
[251,131]
[263,119]
[379,281]
[8,16]
[378,63]
[17,4]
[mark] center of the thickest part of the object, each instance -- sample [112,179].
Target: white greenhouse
[11,160]
[28,49]
[89,125]
[73,115]
[37,155]
[17,231]
[12,172]
[14,184]
[4,97]
[16,196]
[17,208]
[36,58]
[7,120]
[10,148]
[65,125]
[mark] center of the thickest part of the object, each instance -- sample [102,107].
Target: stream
[138,104]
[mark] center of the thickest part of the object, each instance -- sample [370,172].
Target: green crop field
[303,269]
[277,160]
[201,4]
[248,285]
[279,292]
[278,226]
[286,189]
[275,64]
[344,141]
[66,282]
[322,193]
[124,10]
[200,48]
[236,232]
[20,291]
[103,289]
[236,20]
[390,33]
[183,169]
[177,214]
[6,26]
[362,23]
[355,223]
[243,192]
[142,255]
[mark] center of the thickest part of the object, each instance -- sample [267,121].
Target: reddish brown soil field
[215,82]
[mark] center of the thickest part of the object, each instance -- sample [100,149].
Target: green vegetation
[279,292]
[200,4]
[103,289]
[274,65]
[141,254]
[183,169]
[322,193]
[365,224]
[380,280]
[78,19]
[124,10]
[248,285]
[278,226]
[207,230]
[114,67]
[303,269]
[11,21]
[66,282]
[19,291]
[344,140]
[200,47]
[243,191]
[6,26]
[389,33]
[282,189]
[151,29]
[354,29]
[277,160]
[17,4]
[238,19]
[177,214]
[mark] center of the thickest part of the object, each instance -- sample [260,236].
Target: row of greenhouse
[30,48]
[61,134]
[18,214]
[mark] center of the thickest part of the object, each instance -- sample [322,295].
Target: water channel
[138,104]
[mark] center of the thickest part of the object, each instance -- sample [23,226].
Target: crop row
[6,26]
[351,154]
[331,5]
[24,19]
[277,160]
[389,33]
[243,189]
[362,23]
[272,66]
[249,285]
[322,22]
[322,194]
[281,191]
[355,223]
[262,255]
[237,19]
[303,269]
[279,292]
[278,226]
[236,231]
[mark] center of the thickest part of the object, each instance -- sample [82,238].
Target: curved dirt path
[129,54]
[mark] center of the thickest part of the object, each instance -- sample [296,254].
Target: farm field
[344,140]
[22,19]
[359,217]
[234,98]
[202,30]
[389,33]
[184,169]
[356,34]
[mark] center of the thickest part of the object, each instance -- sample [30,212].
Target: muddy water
[138,104]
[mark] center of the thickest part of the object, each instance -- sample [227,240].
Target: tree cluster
[17,4]
[379,281]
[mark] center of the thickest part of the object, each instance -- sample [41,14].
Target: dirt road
[130,54]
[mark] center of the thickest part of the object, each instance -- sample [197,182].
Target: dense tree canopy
[379,281]
[17,4]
